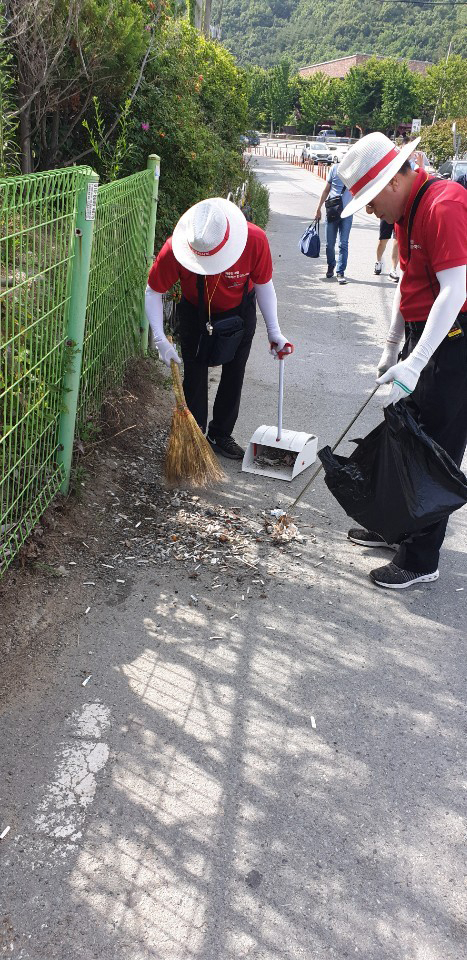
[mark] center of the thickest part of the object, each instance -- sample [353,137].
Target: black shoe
[329,273]
[227,447]
[394,578]
[366,538]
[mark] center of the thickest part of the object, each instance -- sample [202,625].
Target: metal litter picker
[318,470]
[274,452]
[283,519]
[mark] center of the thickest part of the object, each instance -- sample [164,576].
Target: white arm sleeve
[397,325]
[154,312]
[267,302]
[441,317]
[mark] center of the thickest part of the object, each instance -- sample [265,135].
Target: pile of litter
[281,527]
[271,457]
[138,522]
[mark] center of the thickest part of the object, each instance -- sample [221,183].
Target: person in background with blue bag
[224,266]
[335,197]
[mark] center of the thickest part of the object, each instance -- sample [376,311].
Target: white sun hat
[368,167]
[210,237]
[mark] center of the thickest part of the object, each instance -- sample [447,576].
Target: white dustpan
[281,454]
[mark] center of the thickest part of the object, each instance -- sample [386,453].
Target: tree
[361,93]
[278,94]
[437,140]
[379,94]
[318,100]
[399,97]
[444,89]
[191,109]
[67,52]
[256,80]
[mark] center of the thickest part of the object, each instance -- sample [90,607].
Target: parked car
[339,154]
[339,147]
[325,133]
[317,152]
[453,169]
[253,138]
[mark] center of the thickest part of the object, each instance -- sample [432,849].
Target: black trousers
[439,405]
[195,382]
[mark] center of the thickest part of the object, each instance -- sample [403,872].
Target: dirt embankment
[64,567]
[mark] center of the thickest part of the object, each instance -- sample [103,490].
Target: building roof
[358,58]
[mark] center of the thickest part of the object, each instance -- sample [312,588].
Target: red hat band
[373,171]
[210,253]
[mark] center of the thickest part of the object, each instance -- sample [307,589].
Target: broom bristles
[189,458]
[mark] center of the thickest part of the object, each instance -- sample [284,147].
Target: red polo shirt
[255,264]
[438,241]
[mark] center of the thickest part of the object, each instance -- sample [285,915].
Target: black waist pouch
[221,345]
[334,209]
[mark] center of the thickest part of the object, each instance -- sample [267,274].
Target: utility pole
[441,86]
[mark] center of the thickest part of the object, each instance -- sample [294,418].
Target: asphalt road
[284,784]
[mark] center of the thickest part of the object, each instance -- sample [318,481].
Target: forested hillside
[306,31]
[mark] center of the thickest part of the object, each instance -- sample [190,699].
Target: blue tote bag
[310,243]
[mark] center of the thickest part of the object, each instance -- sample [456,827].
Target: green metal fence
[37,221]
[118,275]
[47,370]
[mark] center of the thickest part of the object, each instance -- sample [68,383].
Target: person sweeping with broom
[224,266]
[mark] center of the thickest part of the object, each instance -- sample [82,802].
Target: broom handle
[335,445]
[177,384]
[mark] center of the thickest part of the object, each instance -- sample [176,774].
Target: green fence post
[154,163]
[86,202]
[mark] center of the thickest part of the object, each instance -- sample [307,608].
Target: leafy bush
[257,200]
[191,110]
[437,141]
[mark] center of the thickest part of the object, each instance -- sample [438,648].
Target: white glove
[155,315]
[388,357]
[281,347]
[167,351]
[440,319]
[405,377]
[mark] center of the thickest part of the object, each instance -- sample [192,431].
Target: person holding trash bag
[335,197]
[429,310]
[224,266]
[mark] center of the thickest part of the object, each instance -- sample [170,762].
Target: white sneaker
[378,267]
[394,276]
[340,278]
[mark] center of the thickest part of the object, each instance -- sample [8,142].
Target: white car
[340,147]
[318,152]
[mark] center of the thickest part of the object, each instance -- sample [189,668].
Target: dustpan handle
[281,398]
[305,488]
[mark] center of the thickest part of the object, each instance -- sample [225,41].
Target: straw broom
[189,458]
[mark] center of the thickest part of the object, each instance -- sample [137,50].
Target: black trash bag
[398,480]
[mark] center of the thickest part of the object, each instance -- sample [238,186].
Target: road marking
[62,810]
